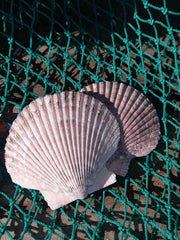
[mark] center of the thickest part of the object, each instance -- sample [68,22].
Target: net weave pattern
[52,46]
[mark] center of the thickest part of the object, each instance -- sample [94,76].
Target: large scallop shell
[138,121]
[59,145]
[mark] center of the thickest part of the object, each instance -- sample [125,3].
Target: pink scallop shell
[138,121]
[59,144]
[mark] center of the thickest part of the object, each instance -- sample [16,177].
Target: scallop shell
[138,121]
[59,145]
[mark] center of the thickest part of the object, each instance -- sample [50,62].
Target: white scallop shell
[137,117]
[59,145]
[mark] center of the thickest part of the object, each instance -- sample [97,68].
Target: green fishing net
[52,46]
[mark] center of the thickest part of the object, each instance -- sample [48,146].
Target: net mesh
[52,46]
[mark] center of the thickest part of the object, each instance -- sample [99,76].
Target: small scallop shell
[60,144]
[138,121]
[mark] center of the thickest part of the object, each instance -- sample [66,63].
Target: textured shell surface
[138,121]
[59,144]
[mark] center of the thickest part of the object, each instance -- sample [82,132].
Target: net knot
[48,41]
[8,59]
[151,21]
[3,99]
[164,10]
[29,51]
[170,30]
[10,40]
[138,32]
[163,99]
[125,40]
[145,4]
[78,85]
[122,229]
[11,202]
[158,61]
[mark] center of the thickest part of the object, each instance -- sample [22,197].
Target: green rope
[53,46]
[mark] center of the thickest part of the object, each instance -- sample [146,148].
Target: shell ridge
[13,151]
[125,100]
[142,117]
[79,103]
[107,87]
[100,89]
[102,134]
[64,144]
[139,115]
[119,96]
[56,130]
[66,140]
[42,132]
[48,145]
[18,177]
[57,141]
[47,122]
[142,126]
[85,108]
[62,155]
[60,142]
[91,88]
[98,137]
[114,133]
[99,108]
[143,137]
[78,132]
[88,132]
[40,179]
[20,166]
[149,132]
[129,103]
[75,165]
[50,112]
[91,124]
[113,92]
[24,142]
[82,137]
[72,116]
[34,130]
[121,93]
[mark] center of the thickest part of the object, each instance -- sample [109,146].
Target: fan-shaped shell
[59,144]
[138,121]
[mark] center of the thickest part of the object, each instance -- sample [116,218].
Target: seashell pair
[70,144]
